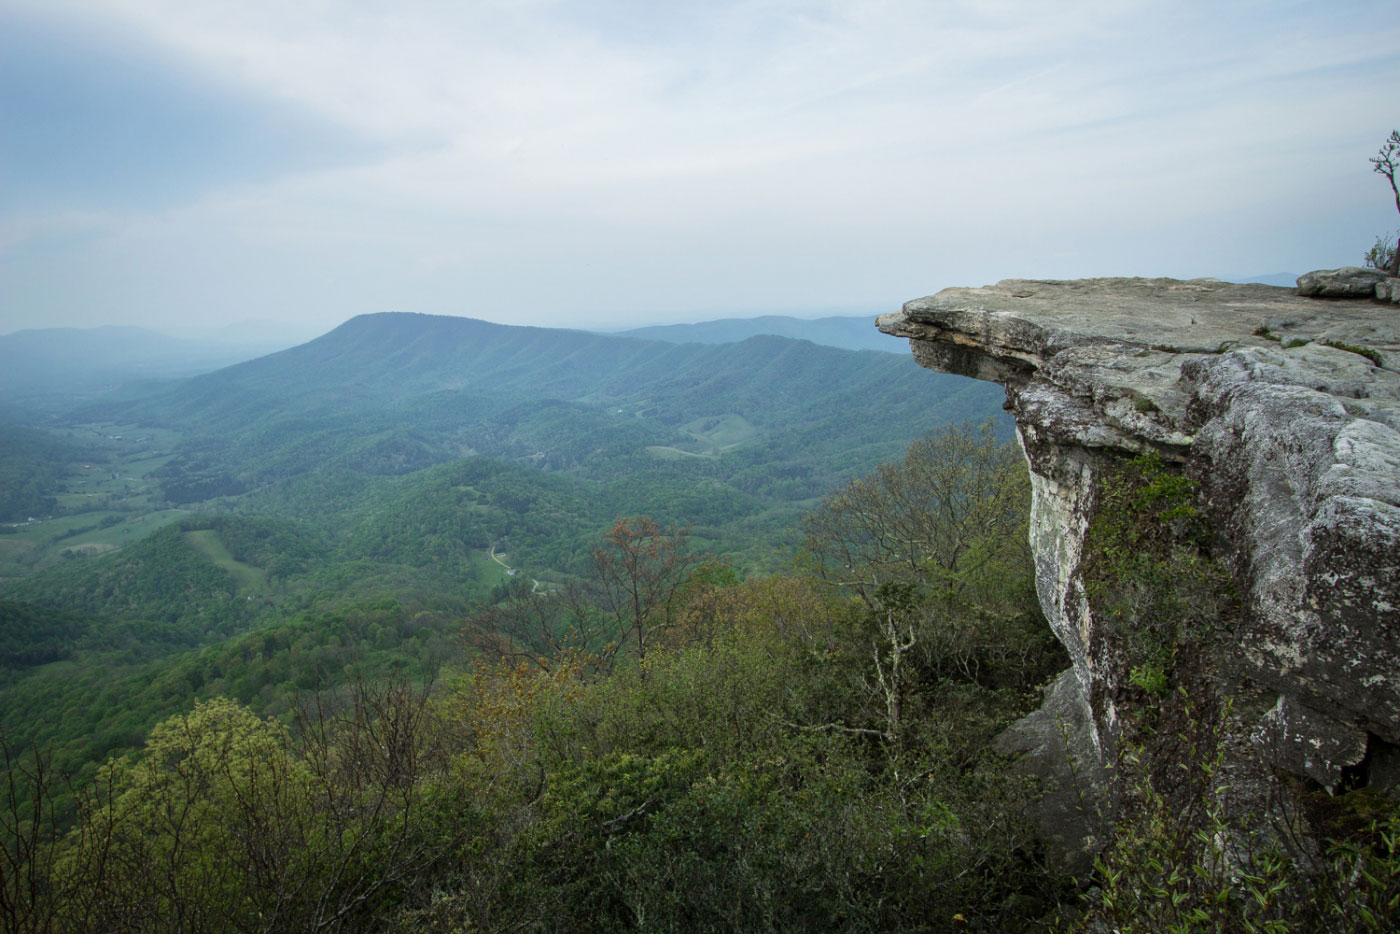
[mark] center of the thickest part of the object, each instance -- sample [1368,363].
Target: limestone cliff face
[1285,409]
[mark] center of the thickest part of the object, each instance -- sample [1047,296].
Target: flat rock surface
[1120,346]
[1030,319]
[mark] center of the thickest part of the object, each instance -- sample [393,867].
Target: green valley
[388,460]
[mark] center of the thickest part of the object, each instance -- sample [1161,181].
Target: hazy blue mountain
[81,361]
[392,360]
[1286,279]
[389,394]
[851,332]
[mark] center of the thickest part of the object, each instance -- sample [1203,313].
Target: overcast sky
[176,163]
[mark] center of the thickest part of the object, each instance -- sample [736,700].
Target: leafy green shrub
[1150,575]
[1381,255]
[1194,868]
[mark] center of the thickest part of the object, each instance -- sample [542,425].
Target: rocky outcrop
[1388,291]
[1286,411]
[1346,282]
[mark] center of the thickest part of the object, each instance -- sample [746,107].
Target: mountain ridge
[386,359]
[848,332]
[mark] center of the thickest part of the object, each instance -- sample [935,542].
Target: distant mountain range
[395,392]
[377,361]
[81,361]
[1285,279]
[850,332]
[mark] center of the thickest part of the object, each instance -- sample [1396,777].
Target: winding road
[499,559]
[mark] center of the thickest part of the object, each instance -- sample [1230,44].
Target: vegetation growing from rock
[1202,840]
[1385,255]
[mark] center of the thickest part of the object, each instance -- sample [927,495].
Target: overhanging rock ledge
[1285,409]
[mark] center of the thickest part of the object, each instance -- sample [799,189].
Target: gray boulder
[1346,282]
[1388,291]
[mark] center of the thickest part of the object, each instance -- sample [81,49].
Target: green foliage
[31,466]
[1184,865]
[126,678]
[744,772]
[935,546]
[708,789]
[1381,255]
[34,635]
[1151,676]
[777,756]
[682,800]
[230,823]
[1150,576]
[1367,352]
[951,516]
[169,577]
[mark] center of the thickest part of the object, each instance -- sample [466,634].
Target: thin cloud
[525,160]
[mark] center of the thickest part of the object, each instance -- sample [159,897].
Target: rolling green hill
[376,361]
[393,393]
[277,524]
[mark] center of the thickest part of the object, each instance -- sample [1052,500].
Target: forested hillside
[32,464]
[393,393]
[653,743]
[493,695]
[343,505]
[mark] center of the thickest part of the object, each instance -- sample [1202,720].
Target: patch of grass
[1366,352]
[249,579]
[486,571]
[89,548]
[723,432]
[1296,342]
[667,453]
[135,526]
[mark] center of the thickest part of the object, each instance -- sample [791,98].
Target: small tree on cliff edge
[639,572]
[1384,163]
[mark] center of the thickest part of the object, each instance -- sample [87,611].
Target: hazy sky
[178,163]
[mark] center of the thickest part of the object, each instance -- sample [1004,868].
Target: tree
[1384,163]
[935,548]
[29,838]
[544,628]
[950,511]
[228,822]
[638,573]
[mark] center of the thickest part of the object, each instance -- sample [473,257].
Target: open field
[486,570]
[250,580]
[720,432]
[107,499]
[669,453]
